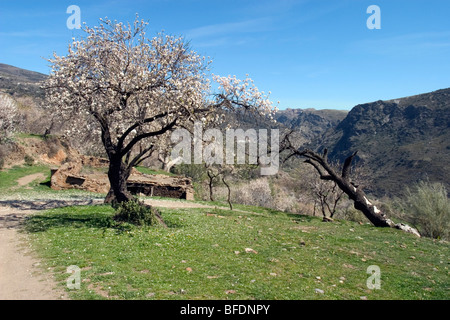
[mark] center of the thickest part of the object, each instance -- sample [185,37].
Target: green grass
[9,177]
[196,257]
[37,189]
[23,135]
[151,171]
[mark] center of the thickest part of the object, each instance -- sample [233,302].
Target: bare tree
[213,173]
[327,195]
[221,172]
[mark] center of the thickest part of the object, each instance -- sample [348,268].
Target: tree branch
[147,135]
[323,176]
[347,165]
[138,124]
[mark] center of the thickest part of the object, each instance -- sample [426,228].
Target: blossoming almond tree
[132,90]
[8,111]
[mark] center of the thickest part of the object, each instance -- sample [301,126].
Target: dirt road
[21,276]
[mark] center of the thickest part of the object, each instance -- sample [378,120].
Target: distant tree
[327,195]
[133,90]
[8,111]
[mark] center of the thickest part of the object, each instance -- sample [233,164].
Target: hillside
[309,124]
[399,141]
[20,82]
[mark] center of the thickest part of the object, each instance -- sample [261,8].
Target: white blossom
[115,79]
[8,111]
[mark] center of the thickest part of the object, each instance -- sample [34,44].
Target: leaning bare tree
[343,181]
[132,90]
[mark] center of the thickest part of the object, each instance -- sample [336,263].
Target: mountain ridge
[400,141]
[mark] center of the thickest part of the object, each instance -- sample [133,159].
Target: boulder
[59,179]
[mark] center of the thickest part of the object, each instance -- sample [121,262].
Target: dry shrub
[427,206]
[347,211]
[255,192]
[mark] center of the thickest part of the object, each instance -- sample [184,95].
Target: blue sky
[308,53]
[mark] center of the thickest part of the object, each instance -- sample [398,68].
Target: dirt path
[28,179]
[176,204]
[21,276]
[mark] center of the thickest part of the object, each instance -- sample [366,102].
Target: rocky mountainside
[399,141]
[20,82]
[309,124]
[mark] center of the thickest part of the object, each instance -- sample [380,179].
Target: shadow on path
[13,212]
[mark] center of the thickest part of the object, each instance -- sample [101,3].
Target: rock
[59,179]
[230,291]
[319,291]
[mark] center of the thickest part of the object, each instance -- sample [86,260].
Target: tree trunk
[210,184]
[229,193]
[361,203]
[118,175]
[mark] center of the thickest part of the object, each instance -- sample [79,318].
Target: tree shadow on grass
[302,217]
[44,222]
[46,204]
[15,212]
[83,215]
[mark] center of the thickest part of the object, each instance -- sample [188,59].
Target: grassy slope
[196,257]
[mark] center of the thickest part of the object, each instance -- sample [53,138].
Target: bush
[136,212]
[427,207]
[348,212]
[29,160]
[53,146]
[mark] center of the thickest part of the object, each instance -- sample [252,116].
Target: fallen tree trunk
[361,202]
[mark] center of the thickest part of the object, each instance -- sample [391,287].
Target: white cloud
[407,44]
[248,26]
